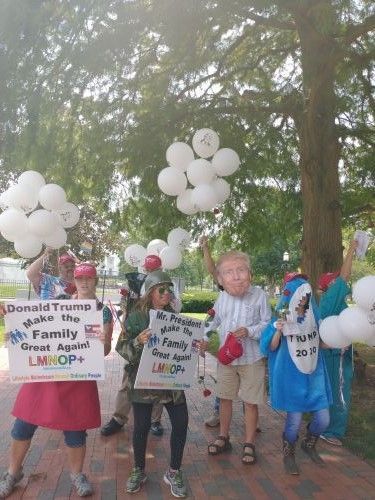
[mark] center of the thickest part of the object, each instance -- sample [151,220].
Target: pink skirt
[67,406]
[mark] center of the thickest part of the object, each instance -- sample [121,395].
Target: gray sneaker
[136,479]
[8,483]
[176,482]
[82,485]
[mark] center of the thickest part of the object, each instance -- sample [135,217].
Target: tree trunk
[319,155]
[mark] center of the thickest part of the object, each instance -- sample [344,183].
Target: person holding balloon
[334,289]
[123,406]
[70,406]
[47,286]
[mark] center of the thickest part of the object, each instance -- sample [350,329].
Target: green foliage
[198,301]
[93,93]
[1,331]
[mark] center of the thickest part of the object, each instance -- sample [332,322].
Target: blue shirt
[51,286]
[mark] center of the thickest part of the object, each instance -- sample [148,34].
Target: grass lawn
[360,437]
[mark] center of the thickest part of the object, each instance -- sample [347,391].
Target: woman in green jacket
[157,295]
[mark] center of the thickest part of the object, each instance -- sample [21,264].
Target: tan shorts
[246,382]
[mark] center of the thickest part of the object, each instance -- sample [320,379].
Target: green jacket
[136,322]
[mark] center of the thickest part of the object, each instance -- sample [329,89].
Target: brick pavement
[108,460]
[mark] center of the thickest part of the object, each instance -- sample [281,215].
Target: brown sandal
[247,454]
[215,448]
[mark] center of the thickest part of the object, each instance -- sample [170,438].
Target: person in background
[71,406]
[214,419]
[47,286]
[334,288]
[242,310]
[157,295]
[123,406]
[298,379]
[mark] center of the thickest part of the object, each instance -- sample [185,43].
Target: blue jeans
[23,431]
[217,405]
[317,425]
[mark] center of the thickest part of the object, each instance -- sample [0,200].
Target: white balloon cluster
[209,188]
[356,323]
[170,253]
[44,225]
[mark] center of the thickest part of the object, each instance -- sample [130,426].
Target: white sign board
[54,340]
[169,358]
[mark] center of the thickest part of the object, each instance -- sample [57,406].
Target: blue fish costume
[298,379]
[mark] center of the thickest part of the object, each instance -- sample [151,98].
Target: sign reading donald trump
[54,340]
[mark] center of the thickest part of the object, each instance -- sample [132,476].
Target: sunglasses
[164,289]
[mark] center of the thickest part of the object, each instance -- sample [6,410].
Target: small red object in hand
[124,292]
[206,393]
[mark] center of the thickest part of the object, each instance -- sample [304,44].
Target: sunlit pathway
[109,460]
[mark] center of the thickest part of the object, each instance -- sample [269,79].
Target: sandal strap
[222,438]
[249,445]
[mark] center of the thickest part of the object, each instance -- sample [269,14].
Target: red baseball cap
[65,257]
[326,279]
[85,270]
[230,350]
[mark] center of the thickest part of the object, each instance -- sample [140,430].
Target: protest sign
[54,340]
[169,358]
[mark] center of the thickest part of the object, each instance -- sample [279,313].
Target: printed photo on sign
[169,358]
[54,340]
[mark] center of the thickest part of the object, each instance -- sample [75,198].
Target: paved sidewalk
[108,460]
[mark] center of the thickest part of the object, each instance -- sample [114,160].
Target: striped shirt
[251,311]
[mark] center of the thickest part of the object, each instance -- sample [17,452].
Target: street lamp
[284,266]
[285,256]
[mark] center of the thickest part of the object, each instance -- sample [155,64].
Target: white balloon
[225,162]
[68,214]
[204,197]
[179,155]
[155,247]
[331,334]
[52,196]
[42,223]
[200,171]
[32,179]
[184,203]
[170,258]
[135,255]
[13,222]
[179,238]
[28,246]
[222,190]
[21,197]
[172,181]
[205,142]
[8,236]
[57,239]
[355,324]
[364,292]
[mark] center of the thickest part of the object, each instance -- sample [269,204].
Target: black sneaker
[111,427]
[157,429]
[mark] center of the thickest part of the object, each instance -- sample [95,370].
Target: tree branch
[273,22]
[354,31]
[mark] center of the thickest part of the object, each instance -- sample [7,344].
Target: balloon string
[341,378]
